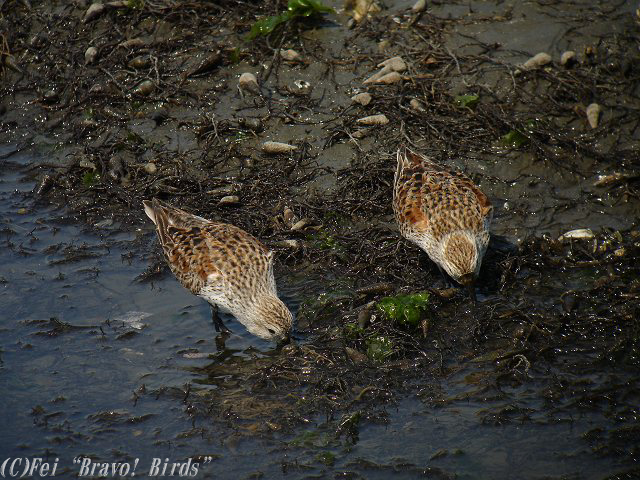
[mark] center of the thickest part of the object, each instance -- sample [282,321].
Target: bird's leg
[220,341]
[217,321]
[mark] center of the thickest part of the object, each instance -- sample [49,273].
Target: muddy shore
[156,110]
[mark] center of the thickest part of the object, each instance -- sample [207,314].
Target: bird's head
[273,320]
[462,256]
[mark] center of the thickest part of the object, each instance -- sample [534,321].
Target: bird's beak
[469,282]
[471,288]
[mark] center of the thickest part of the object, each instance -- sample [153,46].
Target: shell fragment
[536,61]
[593,114]
[374,120]
[579,234]
[278,147]
[248,82]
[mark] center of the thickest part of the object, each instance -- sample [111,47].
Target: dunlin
[229,268]
[444,213]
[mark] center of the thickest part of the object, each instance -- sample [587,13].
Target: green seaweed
[467,100]
[327,458]
[517,138]
[514,139]
[90,178]
[295,9]
[379,348]
[353,331]
[404,309]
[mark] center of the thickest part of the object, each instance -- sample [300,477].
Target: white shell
[536,61]
[300,224]
[132,43]
[593,114]
[363,99]
[581,233]
[93,11]
[395,64]
[229,199]
[277,147]
[568,57]
[373,78]
[604,180]
[90,55]
[419,6]
[150,168]
[289,217]
[289,55]
[294,244]
[416,105]
[389,78]
[248,82]
[374,120]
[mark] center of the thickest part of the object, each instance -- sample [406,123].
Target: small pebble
[150,168]
[93,11]
[90,55]
[419,6]
[289,55]
[251,123]
[363,99]
[416,105]
[229,200]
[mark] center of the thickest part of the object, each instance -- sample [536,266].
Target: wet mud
[103,353]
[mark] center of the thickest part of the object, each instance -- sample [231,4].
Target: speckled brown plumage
[443,212]
[225,265]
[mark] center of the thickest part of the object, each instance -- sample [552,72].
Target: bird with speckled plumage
[444,213]
[228,267]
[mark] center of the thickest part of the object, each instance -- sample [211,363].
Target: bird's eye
[271,331]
